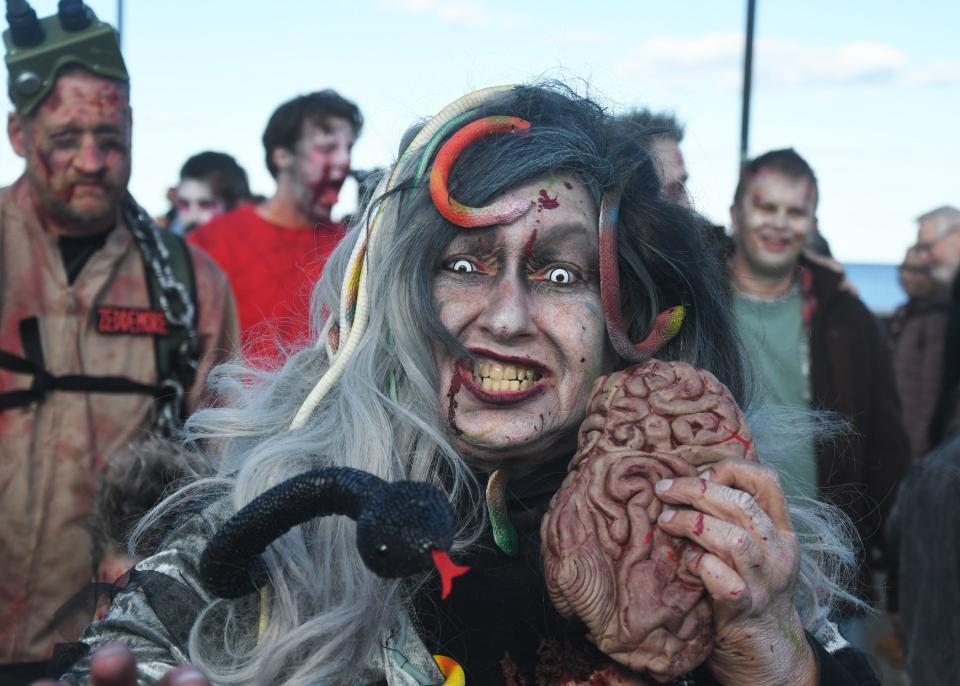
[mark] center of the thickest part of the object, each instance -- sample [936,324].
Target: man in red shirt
[274,252]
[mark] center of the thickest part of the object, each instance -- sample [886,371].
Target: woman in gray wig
[516,253]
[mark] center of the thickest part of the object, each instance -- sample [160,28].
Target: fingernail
[667,514]
[110,649]
[692,552]
[663,485]
[189,676]
[706,474]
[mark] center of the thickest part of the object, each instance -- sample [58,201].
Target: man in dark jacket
[918,332]
[814,346]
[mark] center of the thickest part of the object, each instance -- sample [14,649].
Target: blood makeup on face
[322,162]
[519,297]
[77,147]
[545,202]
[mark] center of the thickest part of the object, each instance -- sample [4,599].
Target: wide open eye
[463,266]
[560,275]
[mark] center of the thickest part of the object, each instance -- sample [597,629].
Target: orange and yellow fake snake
[501,212]
[666,325]
[451,670]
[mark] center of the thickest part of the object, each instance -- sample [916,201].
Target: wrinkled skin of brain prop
[605,559]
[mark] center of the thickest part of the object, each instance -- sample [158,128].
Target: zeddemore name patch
[131,321]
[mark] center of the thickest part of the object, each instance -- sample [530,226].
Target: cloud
[792,62]
[937,73]
[472,13]
[718,59]
[577,37]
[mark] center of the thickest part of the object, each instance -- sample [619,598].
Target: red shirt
[273,270]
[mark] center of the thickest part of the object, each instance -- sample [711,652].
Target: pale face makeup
[673,170]
[196,204]
[772,222]
[524,299]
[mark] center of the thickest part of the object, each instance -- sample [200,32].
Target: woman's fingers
[728,542]
[759,481]
[185,675]
[113,665]
[737,508]
[729,519]
[723,584]
[744,493]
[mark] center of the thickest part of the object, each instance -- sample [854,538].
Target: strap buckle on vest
[43,381]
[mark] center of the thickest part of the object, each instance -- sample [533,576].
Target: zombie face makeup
[77,149]
[321,162]
[196,203]
[772,222]
[672,170]
[524,299]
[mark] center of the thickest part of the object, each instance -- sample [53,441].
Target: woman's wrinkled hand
[745,551]
[114,665]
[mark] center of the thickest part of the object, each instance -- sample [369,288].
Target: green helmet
[38,49]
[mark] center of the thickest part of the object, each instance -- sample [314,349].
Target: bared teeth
[495,377]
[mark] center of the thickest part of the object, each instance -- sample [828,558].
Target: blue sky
[869,92]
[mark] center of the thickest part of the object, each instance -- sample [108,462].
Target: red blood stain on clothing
[698,525]
[16,610]
[648,538]
[527,253]
[545,202]
[568,185]
[455,384]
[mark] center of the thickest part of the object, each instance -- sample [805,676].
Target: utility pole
[747,82]
[120,24]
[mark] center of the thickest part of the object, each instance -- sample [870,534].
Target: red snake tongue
[449,570]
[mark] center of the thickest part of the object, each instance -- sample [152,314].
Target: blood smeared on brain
[605,558]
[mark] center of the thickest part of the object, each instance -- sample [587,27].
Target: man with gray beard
[938,237]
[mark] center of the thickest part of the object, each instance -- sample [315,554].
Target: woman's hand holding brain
[606,559]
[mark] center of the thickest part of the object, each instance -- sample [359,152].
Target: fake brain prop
[605,559]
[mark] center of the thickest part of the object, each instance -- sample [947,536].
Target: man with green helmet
[107,325]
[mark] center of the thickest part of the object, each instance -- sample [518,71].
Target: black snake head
[400,527]
[403,528]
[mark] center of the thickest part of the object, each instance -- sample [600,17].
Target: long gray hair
[326,611]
